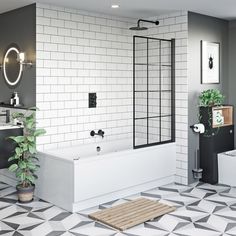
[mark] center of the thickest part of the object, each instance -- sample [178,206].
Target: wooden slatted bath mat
[129,214]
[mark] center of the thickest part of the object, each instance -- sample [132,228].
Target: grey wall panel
[232,67]
[19,27]
[211,29]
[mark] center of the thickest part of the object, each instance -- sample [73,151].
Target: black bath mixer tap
[7,114]
[99,133]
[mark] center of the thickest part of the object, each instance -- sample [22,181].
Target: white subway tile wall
[79,52]
[176,26]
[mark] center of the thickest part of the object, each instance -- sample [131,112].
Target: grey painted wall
[232,67]
[19,27]
[211,29]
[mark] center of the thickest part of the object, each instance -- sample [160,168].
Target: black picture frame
[210,62]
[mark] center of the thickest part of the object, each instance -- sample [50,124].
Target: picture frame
[210,62]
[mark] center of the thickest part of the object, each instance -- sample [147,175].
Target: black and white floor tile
[202,210]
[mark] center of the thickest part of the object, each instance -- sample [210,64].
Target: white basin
[5,126]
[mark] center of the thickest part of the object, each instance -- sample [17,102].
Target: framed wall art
[210,62]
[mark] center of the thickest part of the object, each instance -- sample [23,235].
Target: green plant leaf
[22,176]
[12,158]
[30,124]
[32,149]
[18,151]
[35,176]
[30,178]
[35,158]
[31,138]
[16,115]
[18,139]
[22,165]
[13,167]
[39,132]
[31,166]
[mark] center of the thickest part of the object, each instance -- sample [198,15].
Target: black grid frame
[172,92]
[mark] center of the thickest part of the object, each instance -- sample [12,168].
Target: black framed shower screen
[153,91]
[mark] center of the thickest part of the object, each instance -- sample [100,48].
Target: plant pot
[25,195]
[197,173]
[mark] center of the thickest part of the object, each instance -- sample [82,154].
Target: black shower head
[138,27]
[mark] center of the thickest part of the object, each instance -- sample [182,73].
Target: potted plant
[208,99]
[24,158]
[211,97]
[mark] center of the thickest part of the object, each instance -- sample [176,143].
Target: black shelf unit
[159,67]
[214,141]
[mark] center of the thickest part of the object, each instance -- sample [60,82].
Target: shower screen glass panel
[153,91]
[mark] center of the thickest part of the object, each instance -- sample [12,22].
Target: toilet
[227,168]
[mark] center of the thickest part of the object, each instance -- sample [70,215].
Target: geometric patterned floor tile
[201,210]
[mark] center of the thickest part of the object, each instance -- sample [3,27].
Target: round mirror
[12,68]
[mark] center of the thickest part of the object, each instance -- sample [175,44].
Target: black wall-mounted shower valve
[92,100]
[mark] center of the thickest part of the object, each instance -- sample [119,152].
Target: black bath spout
[99,133]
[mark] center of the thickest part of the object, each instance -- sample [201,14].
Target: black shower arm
[149,21]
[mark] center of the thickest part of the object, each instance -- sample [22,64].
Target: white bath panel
[75,185]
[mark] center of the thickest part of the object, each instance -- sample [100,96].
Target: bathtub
[80,177]
[226,168]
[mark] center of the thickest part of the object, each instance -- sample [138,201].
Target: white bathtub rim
[105,155]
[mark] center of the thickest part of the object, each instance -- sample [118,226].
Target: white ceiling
[225,9]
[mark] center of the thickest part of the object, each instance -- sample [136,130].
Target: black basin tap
[7,114]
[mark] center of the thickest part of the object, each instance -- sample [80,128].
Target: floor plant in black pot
[24,160]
